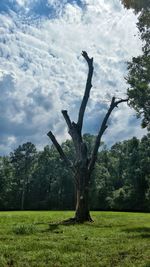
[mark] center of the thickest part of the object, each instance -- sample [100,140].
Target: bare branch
[87,90]
[73,131]
[59,149]
[67,118]
[120,101]
[102,130]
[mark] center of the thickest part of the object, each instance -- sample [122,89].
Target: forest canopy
[40,180]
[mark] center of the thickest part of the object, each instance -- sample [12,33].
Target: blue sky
[42,70]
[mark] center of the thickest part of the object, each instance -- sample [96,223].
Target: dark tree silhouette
[83,166]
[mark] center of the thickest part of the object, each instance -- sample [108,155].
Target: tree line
[40,180]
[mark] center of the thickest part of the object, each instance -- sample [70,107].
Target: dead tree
[83,166]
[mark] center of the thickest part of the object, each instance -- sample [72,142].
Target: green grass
[27,239]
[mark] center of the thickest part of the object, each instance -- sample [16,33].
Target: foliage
[139,92]
[139,68]
[120,181]
[6,182]
[23,160]
[137,5]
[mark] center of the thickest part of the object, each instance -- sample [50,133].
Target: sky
[42,70]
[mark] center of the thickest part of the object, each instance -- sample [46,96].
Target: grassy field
[28,239]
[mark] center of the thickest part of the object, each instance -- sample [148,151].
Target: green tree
[139,68]
[6,184]
[22,160]
[137,5]
[131,181]
[52,186]
[120,180]
[139,91]
[42,179]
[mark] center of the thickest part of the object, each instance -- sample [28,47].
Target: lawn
[120,239]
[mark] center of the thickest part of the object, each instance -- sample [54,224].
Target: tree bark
[83,166]
[22,199]
[82,212]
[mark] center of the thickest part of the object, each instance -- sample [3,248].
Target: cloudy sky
[42,70]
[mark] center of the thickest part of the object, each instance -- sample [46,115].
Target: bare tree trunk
[82,212]
[83,166]
[23,195]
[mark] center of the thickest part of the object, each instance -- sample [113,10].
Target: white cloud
[45,71]
[22,2]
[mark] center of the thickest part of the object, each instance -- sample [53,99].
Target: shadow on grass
[54,225]
[53,228]
[143,232]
